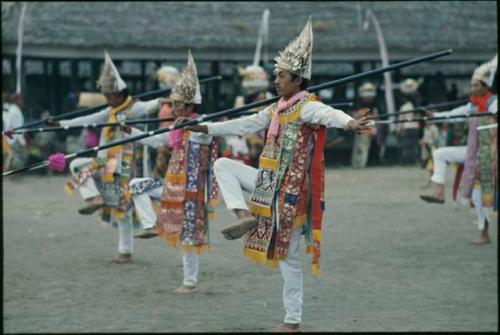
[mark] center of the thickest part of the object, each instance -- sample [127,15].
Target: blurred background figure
[12,117]
[254,87]
[429,142]
[43,144]
[408,133]
[362,142]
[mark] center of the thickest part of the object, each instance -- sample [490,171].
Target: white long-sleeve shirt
[464,110]
[161,140]
[312,112]
[12,117]
[139,110]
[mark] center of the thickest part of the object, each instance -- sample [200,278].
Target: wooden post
[143,76]
[74,75]
[215,87]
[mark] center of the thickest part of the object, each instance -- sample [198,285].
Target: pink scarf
[282,105]
[175,136]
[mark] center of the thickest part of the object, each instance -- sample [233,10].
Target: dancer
[103,181]
[479,155]
[287,189]
[188,192]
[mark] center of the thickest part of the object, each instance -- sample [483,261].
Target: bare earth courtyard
[390,262]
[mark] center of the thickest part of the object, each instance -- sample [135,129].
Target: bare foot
[242,226]
[93,204]
[122,258]
[480,240]
[432,199]
[186,289]
[287,328]
[147,233]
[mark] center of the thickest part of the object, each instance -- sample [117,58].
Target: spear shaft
[255,104]
[147,95]
[92,126]
[438,118]
[429,107]
[131,122]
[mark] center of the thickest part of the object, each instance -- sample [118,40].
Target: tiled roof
[425,26]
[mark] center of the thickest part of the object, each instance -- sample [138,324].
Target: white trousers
[234,177]
[482,213]
[190,266]
[147,215]
[143,204]
[445,155]
[360,150]
[88,190]
[441,156]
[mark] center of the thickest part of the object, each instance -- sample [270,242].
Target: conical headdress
[187,87]
[486,72]
[255,78]
[297,56]
[110,80]
[167,76]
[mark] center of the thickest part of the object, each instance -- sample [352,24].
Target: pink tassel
[57,162]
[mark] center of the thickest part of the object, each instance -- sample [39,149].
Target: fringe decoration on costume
[268,163]
[259,257]
[197,249]
[299,220]
[261,210]
[317,193]
[176,178]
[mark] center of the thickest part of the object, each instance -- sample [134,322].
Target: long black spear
[147,95]
[437,118]
[86,126]
[252,105]
[128,122]
[422,108]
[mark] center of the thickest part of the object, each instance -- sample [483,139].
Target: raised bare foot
[186,289]
[287,328]
[242,226]
[122,258]
[147,233]
[93,204]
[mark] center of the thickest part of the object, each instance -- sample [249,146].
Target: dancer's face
[114,100]
[477,88]
[180,109]
[285,85]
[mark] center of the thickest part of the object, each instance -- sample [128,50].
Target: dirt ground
[390,262]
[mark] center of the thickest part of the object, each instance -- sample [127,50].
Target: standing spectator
[362,141]
[408,132]
[12,117]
